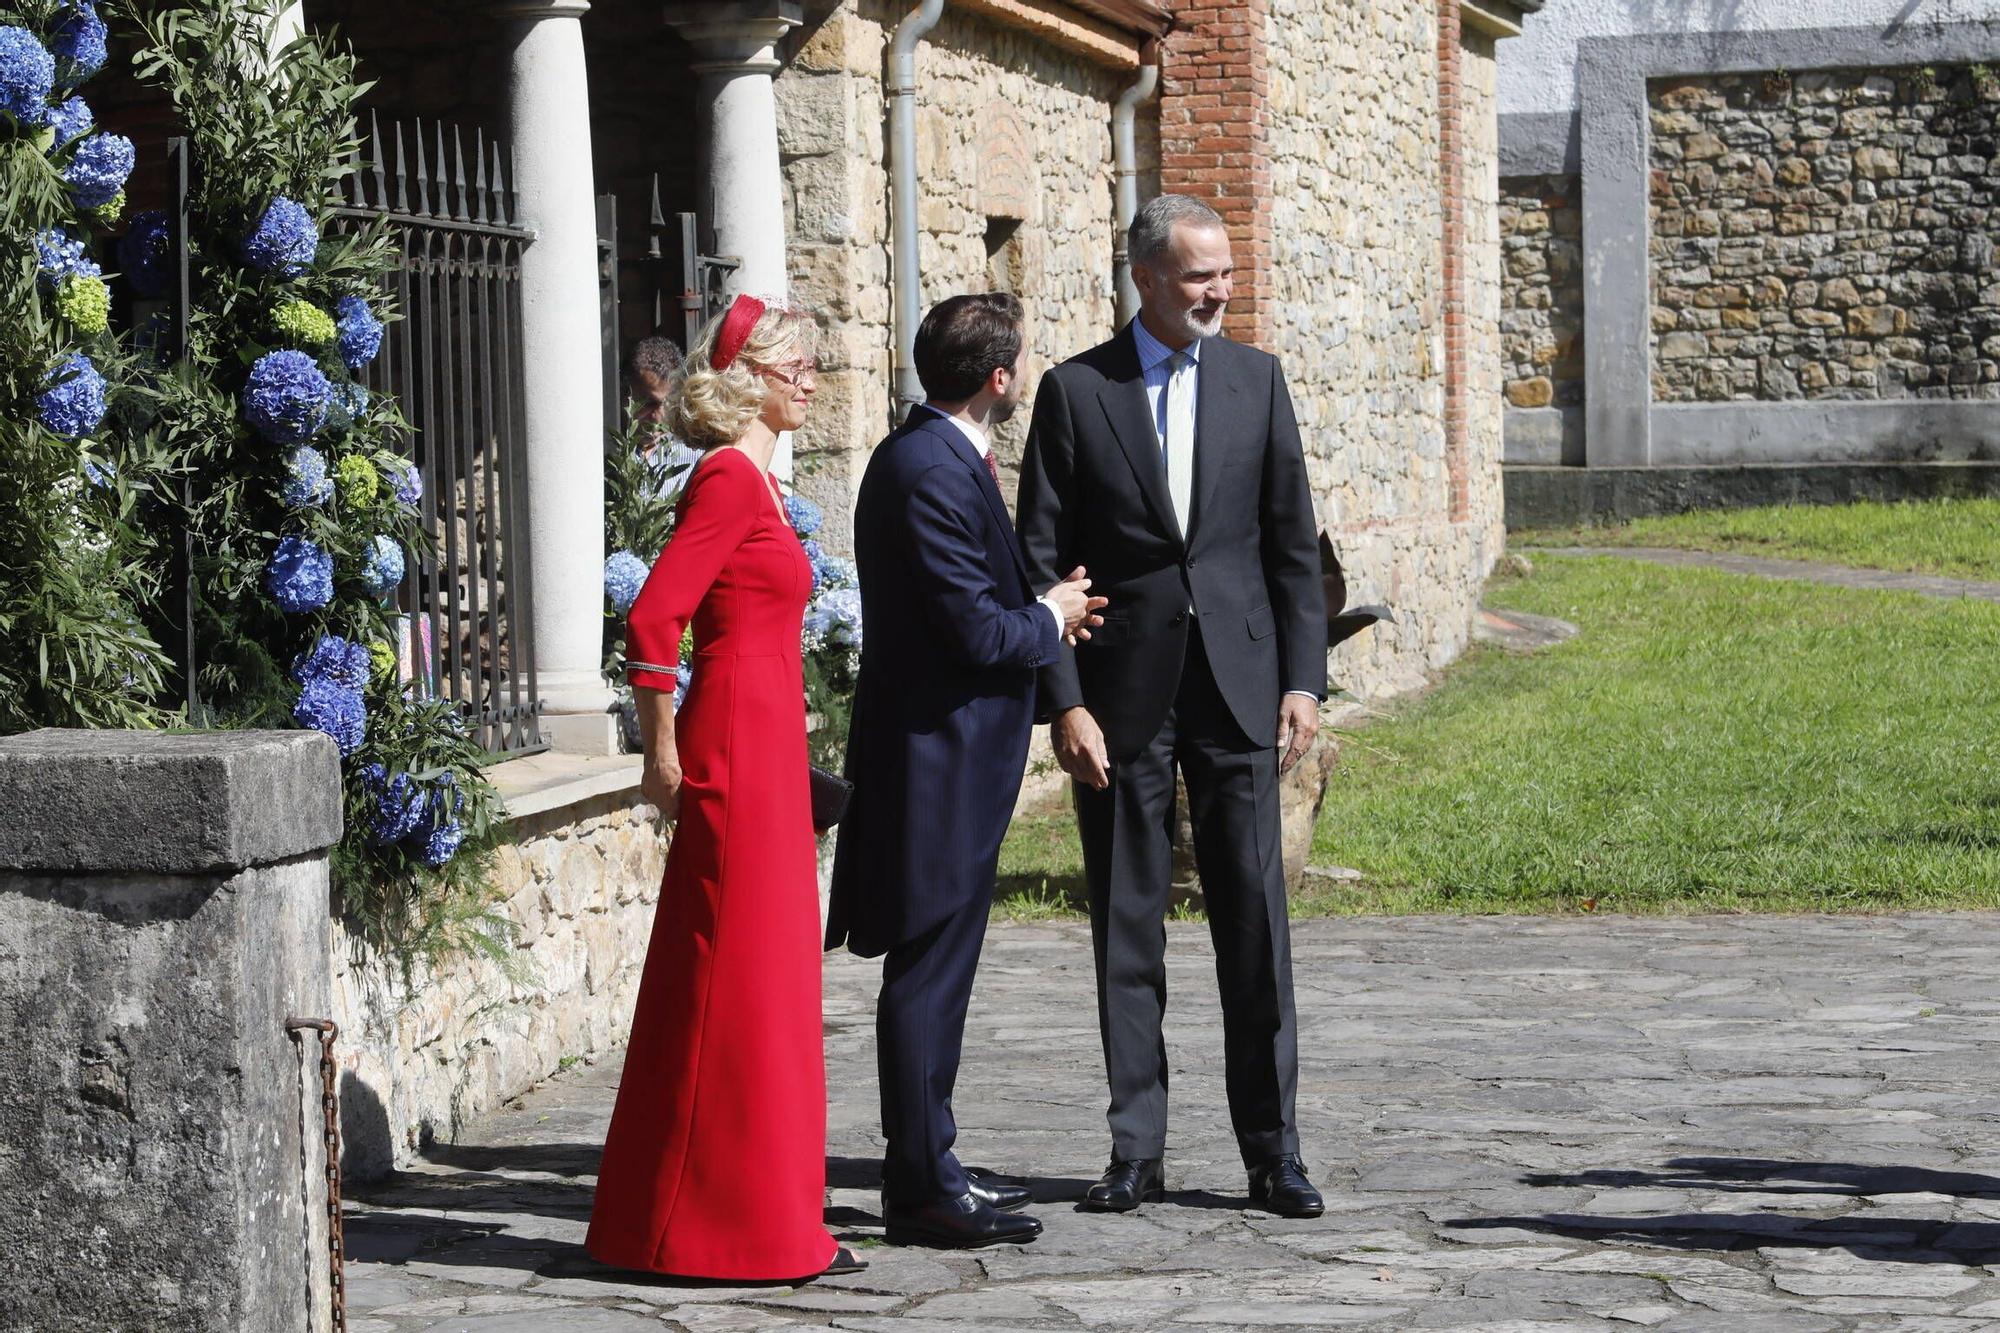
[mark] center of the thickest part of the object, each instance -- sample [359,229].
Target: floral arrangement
[81,571]
[302,511]
[644,477]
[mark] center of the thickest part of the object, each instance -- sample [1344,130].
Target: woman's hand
[660,783]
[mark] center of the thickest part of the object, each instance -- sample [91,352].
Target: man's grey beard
[1192,326]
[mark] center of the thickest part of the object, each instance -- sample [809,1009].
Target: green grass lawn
[1711,742]
[1960,538]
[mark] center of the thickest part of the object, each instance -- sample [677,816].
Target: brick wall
[1215,126]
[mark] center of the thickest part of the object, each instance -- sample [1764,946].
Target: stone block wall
[1014,169]
[579,884]
[1826,235]
[1541,291]
[1357,314]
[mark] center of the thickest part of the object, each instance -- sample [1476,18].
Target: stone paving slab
[1839,576]
[1723,1123]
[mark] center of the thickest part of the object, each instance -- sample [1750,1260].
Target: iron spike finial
[423,182]
[479,169]
[402,173]
[463,214]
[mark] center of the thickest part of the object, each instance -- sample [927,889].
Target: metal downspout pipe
[904,271]
[1125,161]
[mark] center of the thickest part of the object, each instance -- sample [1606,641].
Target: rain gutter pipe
[904,274]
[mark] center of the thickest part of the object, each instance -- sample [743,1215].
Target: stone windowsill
[537,783]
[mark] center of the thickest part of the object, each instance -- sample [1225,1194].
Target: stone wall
[1014,169]
[1541,293]
[1825,235]
[1357,316]
[579,884]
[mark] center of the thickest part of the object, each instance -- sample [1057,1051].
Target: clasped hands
[1079,609]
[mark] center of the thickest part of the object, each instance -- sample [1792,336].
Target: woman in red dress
[715,1163]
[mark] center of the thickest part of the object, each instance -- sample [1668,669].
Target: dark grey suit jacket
[1094,493]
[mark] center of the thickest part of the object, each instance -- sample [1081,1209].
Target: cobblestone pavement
[1839,576]
[1744,1123]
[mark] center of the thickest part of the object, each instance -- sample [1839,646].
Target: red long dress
[715,1163]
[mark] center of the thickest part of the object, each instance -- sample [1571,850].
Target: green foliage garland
[259,378]
[77,569]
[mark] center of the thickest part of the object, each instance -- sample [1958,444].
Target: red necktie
[992,468]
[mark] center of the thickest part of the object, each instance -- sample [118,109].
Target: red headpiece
[744,312]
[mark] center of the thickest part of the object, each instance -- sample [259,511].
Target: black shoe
[964,1223]
[1126,1185]
[1280,1186]
[843,1263]
[997,1191]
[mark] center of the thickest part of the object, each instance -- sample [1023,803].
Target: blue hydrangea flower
[397,805]
[409,484]
[286,397]
[333,658]
[306,482]
[360,332]
[27,76]
[683,677]
[60,255]
[329,706]
[837,617]
[71,120]
[349,401]
[442,843]
[73,403]
[99,168]
[624,575]
[284,240]
[79,43]
[805,515]
[384,569]
[100,475]
[829,571]
[142,253]
[441,834]
[300,576]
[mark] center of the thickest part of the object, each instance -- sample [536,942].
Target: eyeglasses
[794,373]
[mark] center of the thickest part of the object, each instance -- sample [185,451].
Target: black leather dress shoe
[1280,1186]
[997,1191]
[1126,1185]
[964,1223]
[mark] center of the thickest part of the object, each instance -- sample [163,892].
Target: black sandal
[843,1263]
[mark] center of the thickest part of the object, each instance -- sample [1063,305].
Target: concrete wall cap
[178,804]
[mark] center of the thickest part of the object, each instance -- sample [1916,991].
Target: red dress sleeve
[716,514]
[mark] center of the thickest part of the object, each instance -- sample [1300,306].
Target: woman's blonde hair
[714,407]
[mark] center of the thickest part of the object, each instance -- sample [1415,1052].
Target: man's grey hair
[1153,229]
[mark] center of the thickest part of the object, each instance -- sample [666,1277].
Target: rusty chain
[329,1101]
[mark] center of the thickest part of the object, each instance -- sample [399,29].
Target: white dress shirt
[977,439]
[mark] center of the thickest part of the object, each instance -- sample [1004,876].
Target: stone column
[735,44]
[563,377]
[163,912]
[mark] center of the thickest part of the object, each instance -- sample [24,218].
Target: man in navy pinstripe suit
[942,714]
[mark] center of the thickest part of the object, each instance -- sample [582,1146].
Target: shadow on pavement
[1889,1239]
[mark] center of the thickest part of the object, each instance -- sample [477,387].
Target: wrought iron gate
[454,363]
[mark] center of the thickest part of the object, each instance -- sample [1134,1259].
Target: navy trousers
[919,1029]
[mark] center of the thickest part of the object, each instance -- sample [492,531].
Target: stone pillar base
[163,912]
[581,733]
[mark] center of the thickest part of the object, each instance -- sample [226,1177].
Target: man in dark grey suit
[1167,461]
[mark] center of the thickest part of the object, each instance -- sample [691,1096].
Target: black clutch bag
[830,795]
